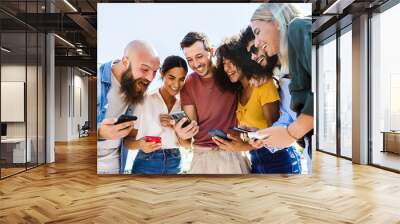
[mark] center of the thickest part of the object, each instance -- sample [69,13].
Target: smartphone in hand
[219,133]
[241,130]
[125,118]
[155,139]
[177,116]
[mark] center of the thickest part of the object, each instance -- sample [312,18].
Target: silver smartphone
[177,116]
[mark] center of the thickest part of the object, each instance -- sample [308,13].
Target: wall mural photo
[204,88]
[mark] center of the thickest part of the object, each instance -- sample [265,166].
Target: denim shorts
[283,161]
[163,161]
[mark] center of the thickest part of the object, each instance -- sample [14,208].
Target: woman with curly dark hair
[258,107]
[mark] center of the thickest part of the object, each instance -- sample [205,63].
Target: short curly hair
[246,36]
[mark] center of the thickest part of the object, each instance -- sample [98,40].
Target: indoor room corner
[48,150]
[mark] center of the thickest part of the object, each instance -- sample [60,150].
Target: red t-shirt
[215,108]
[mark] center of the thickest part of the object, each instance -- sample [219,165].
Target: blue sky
[165,24]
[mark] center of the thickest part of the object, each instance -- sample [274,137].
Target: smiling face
[234,74]
[256,55]
[199,59]
[174,79]
[267,36]
[133,89]
[142,62]
[144,66]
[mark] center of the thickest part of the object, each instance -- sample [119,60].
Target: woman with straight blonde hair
[274,19]
[281,29]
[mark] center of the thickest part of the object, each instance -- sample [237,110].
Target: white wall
[33,126]
[61,103]
[16,73]
[80,84]
[70,83]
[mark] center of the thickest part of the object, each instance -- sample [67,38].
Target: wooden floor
[70,191]
[5,172]
[10,171]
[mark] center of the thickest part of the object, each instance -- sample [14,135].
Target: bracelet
[290,134]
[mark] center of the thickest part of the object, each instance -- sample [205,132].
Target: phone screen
[177,116]
[241,130]
[124,118]
[218,133]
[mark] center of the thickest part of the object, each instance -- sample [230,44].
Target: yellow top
[251,114]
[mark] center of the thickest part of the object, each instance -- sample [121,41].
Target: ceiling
[332,15]
[75,23]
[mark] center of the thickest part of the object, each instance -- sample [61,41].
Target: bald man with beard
[120,85]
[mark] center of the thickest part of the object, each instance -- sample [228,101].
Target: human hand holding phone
[228,142]
[109,130]
[149,146]
[186,132]
[178,116]
[155,139]
[219,133]
[277,137]
[244,129]
[125,118]
[256,143]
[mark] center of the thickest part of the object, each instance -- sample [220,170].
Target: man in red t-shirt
[208,107]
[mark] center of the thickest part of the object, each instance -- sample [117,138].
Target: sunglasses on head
[253,49]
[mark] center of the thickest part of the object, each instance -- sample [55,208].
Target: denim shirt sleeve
[123,150]
[99,117]
[287,116]
[103,87]
[284,119]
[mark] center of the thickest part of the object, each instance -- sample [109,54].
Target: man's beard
[129,87]
[259,71]
[272,61]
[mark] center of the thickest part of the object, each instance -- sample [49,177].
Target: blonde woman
[280,29]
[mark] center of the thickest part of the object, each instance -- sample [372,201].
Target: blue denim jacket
[103,87]
[287,115]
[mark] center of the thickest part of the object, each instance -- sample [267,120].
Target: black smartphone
[177,116]
[124,118]
[219,133]
[241,130]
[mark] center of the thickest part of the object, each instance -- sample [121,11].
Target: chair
[84,130]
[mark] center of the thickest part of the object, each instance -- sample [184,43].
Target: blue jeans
[283,161]
[163,161]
